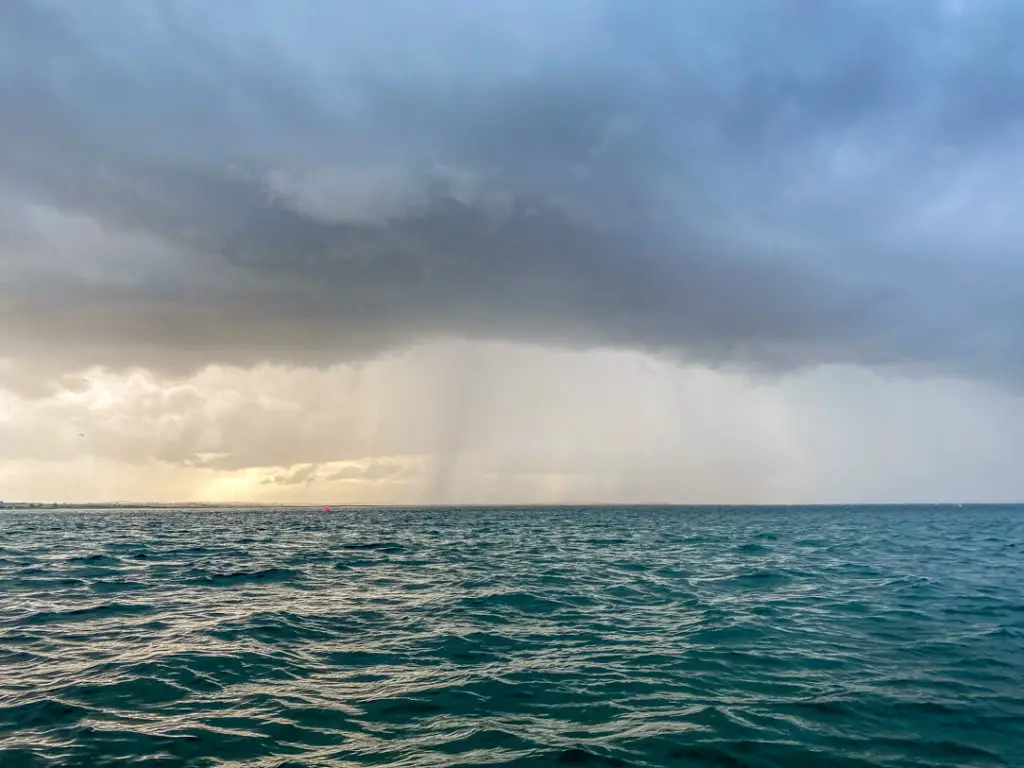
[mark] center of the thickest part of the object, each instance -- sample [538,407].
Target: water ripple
[554,637]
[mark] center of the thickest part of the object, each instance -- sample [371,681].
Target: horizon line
[482,505]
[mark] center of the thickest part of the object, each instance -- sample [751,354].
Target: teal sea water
[531,637]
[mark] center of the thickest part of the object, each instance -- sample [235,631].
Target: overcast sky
[462,251]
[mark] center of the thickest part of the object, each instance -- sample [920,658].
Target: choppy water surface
[719,637]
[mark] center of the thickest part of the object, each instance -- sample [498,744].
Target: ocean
[843,636]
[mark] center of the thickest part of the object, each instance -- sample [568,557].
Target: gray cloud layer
[762,183]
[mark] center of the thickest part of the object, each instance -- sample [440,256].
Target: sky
[402,252]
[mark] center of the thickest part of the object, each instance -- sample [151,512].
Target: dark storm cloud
[764,183]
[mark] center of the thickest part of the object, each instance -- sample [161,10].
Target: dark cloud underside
[764,183]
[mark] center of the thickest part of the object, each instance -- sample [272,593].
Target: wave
[444,637]
[233,578]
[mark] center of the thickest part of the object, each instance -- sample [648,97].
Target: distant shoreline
[132,505]
[115,505]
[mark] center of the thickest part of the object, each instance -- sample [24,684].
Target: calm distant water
[653,637]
